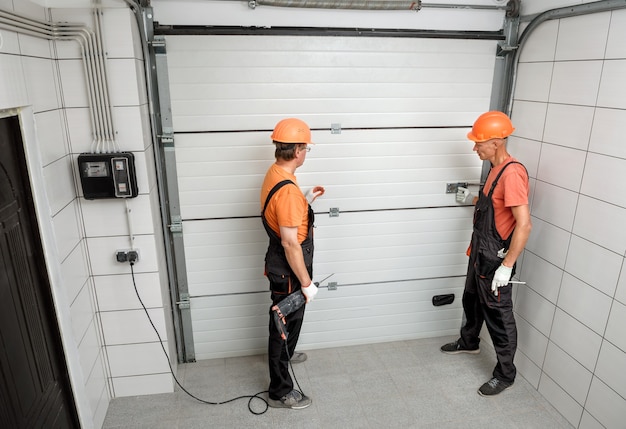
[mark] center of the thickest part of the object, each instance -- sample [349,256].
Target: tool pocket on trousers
[486,267]
[280,283]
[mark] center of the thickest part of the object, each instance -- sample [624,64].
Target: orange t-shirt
[512,190]
[288,207]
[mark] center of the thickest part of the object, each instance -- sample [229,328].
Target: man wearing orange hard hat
[288,220]
[502,226]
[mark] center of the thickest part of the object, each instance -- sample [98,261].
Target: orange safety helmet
[491,125]
[292,130]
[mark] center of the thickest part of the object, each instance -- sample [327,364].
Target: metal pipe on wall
[99,109]
[342,4]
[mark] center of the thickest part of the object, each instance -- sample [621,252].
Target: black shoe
[493,387]
[294,400]
[455,348]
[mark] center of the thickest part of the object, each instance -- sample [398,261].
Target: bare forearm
[295,259]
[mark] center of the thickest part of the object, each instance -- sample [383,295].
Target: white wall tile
[97,393]
[67,229]
[130,359]
[130,123]
[526,151]
[124,87]
[542,276]
[609,232]
[584,303]
[102,254]
[554,205]
[583,37]
[10,42]
[82,312]
[12,91]
[108,217]
[570,375]
[118,293]
[576,339]
[117,27]
[531,372]
[40,83]
[541,44]
[564,403]
[531,342]
[81,136]
[549,242]
[51,138]
[132,326]
[90,350]
[569,125]
[605,405]
[575,82]
[75,271]
[561,166]
[615,47]
[588,422]
[74,83]
[143,385]
[538,311]
[59,184]
[595,184]
[34,46]
[533,81]
[609,126]
[611,365]
[620,293]
[528,119]
[593,264]
[613,85]
[615,328]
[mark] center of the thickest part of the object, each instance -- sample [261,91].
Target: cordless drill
[284,308]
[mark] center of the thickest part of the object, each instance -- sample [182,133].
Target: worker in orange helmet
[288,220]
[502,226]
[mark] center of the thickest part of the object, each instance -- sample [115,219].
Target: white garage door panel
[247,82]
[404,107]
[220,173]
[349,315]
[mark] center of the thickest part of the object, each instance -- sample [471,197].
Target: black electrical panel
[108,175]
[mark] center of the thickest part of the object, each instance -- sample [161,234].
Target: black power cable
[250,397]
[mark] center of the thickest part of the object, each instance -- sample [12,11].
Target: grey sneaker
[455,348]
[294,400]
[298,357]
[493,387]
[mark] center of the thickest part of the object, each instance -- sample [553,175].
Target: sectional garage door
[389,118]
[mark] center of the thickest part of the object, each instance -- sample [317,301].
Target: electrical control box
[108,175]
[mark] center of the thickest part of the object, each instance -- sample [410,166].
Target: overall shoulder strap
[273,191]
[495,181]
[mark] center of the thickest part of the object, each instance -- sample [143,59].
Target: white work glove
[313,193]
[501,278]
[309,292]
[464,196]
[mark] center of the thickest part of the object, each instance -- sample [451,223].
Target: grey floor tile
[407,384]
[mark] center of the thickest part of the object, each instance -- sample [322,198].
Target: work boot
[455,348]
[294,400]
[493,387]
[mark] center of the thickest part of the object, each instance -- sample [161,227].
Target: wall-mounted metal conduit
[93,64]
[342,4]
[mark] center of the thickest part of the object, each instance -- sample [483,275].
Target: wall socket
[127,255]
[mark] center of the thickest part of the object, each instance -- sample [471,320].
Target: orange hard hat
[491,125]
[292,130]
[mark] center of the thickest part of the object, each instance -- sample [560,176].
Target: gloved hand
[464,196]
[501,278]
[313,193]
[309,292]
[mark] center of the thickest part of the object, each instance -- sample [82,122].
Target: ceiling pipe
[342,4]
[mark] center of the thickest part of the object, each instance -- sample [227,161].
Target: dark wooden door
[34,386]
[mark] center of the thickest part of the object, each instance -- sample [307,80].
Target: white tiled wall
[570,114]
[111,348]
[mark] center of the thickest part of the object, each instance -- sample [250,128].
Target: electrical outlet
[127,255]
